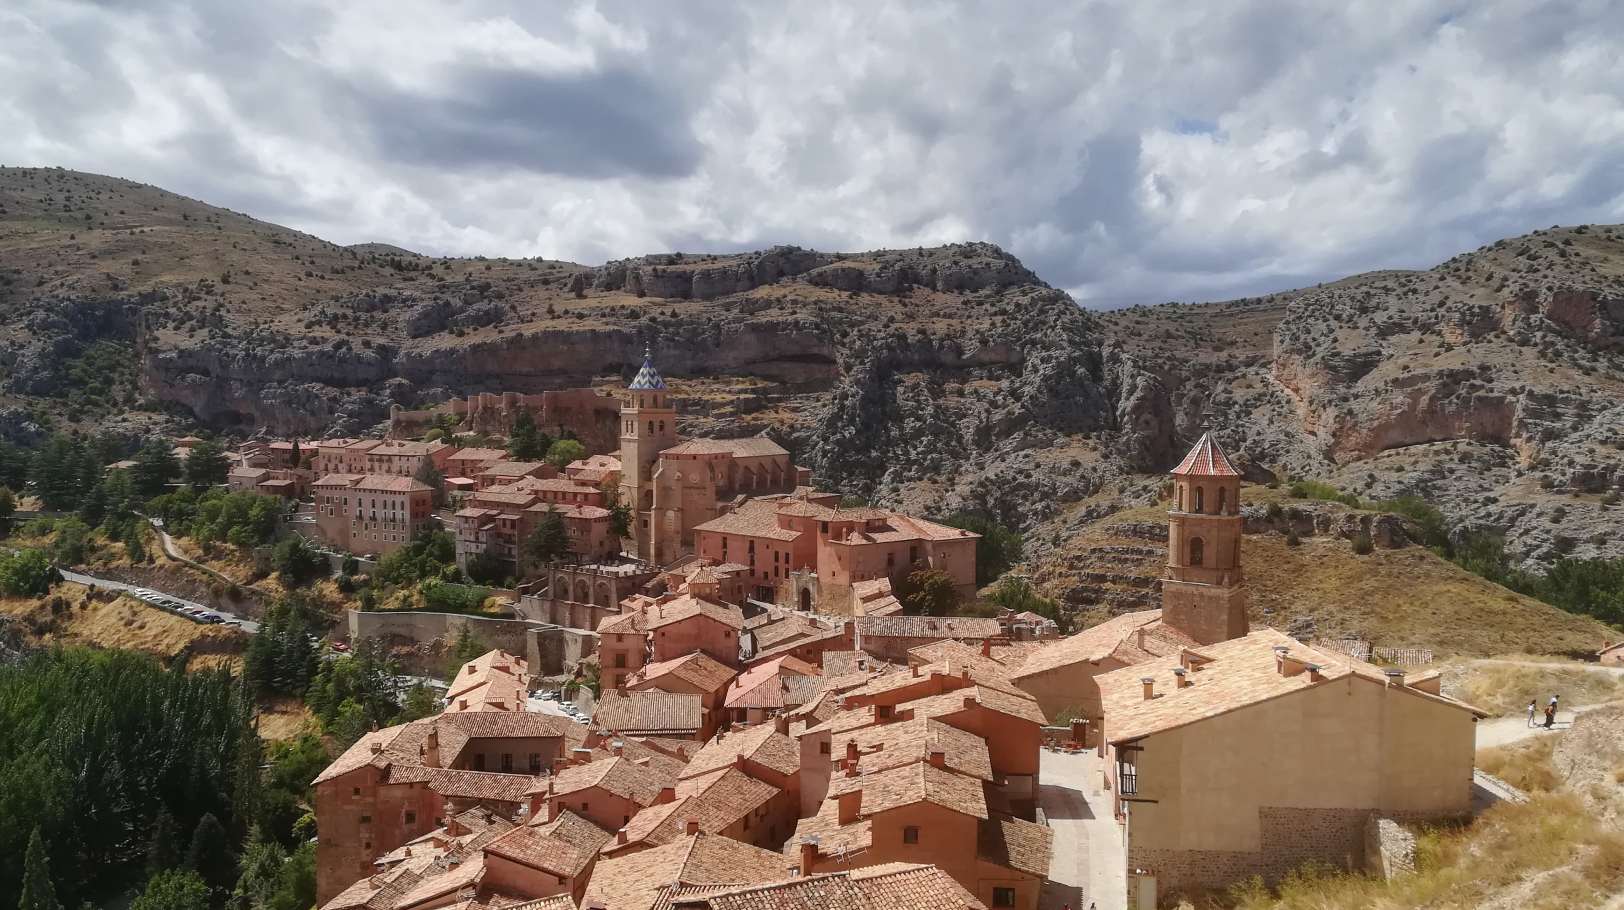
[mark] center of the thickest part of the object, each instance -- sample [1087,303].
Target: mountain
[934,379]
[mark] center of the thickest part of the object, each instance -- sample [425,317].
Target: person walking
[1531,710]
[1550,714]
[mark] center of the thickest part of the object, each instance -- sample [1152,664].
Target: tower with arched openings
[1203,590]
[648,426]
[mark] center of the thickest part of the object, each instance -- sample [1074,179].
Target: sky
[1130,152]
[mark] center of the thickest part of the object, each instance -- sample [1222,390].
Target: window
[479,762]
[583,807]
[366,819]
[823,748]
[1003,897]
[355,791]
[910,834]
[1197,551]
[1223,498]
[411,817]
[1199,498]
[1127,774]
[620,660]
[1181,497]
[535,762]
[507,762]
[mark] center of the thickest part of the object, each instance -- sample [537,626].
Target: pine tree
[163,852]
[38,891]
[262,862]
[207,465]
[549,541]
[209,855]
[429,474]
[176,889]
[55,472]
[8,506]
[155,468]
[524,443]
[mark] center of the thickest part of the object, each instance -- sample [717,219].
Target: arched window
[1180,488]
[651,426]
[662,426]
[1200,498]
[806,598]
[1196,551]
[1223,500]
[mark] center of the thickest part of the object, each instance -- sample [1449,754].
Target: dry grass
[283,718]
[1525,765]
[1508,688]
[1545,855]
[122,622]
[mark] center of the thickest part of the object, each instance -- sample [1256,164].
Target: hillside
[1399,595]
[930,379]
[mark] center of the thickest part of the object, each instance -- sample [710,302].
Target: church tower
[1203,591]
[648,426]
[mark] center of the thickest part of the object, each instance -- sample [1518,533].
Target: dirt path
[1546,665]
[1503,731]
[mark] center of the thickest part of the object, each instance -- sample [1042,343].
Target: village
[772,728]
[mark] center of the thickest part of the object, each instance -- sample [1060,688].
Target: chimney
[938,758]
[1181,678]
[620,836]
[986,647]
[1149,683]
[431,748]
[1394,677]
[691,826]
[738,761]
[964,674]
[462,704]
[667,795]
[376,747]
[580,756]
[554,809]
[915,669]
[970,702]
[809,855]
[851,751]
[781,723]
[850,806]
[1314,674]
[619,748]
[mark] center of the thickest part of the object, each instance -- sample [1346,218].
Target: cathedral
[672,485]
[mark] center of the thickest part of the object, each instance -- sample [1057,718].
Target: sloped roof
[1205,459]
[648,378]
[688,606]
[993,699]
[918,782]
[722,797]
[905,742]
[766,685]
[745,447]
[756,518]
[892,886]
[1015,843]
[1090,645]
[634,881]
[935,627]
[762,744]
[563,848]
[618,775]
[651,711]
[1225,677]
[700,670]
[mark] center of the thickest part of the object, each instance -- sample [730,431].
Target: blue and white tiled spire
[647,377]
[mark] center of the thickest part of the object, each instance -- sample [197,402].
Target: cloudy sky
[1128,152]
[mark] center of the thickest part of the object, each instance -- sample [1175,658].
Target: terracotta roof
[395,744]
[390,483]
[513,468]
[756,518]
[651,712]
[1225,677]
[339,480]
[893,886]
[475,454]
[630,621]
[1091,645]
[556,902]
[934,627]
[892,745]
[688,606]
[406,447]
[633,881]
[833,838]
[563,848]
[618,775]
[700,670]
[993,699]
[762,744]
[507,788]
[1206,459]
[1015,843]
[746,447]
[766,685]
[722,797]
[918,782]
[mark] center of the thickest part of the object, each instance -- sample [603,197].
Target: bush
[1362,544]
[445,597]
[26,573]
[296,563]
[928,592]
[999,547]
[1292,540]
[1313,489]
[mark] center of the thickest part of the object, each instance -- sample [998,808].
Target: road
[248,625]
[1087,864]
[1502,731]
[1554,665]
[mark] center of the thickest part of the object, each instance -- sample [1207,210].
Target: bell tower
[648,426]
[1203,591]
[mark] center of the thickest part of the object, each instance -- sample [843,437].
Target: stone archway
[583,591]
[806,599]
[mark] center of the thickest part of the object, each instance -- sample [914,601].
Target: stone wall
[551,650]
[1291,837]
[1389,848]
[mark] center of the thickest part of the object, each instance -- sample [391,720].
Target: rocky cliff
[936,379]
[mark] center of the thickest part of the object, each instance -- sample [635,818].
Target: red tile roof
[651,712]
[1206,459]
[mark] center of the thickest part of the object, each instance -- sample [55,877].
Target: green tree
[261,867]
[428,555]
[56,472]
[928,592]
[365,678]
[72,542]
[209,855]
[296,885]
[207,464]
[134,548]
[296,563]
[349,724]
[998,549]
[464,647]
[176,889]
[163,849]
[487,568]
[620,514]
[282,659]
[156,467]
[526,443]
[564,451]
[26,573]
[8,507]
[38,892]
[549,541]
[420,702]
[1016,594]
[428,473]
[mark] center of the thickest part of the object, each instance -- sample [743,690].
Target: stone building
[372,513]
[671,485]
[1255,755]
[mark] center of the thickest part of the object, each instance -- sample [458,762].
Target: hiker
[1550,714]
[1531,710]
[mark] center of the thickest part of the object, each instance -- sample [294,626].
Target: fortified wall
[551,650]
